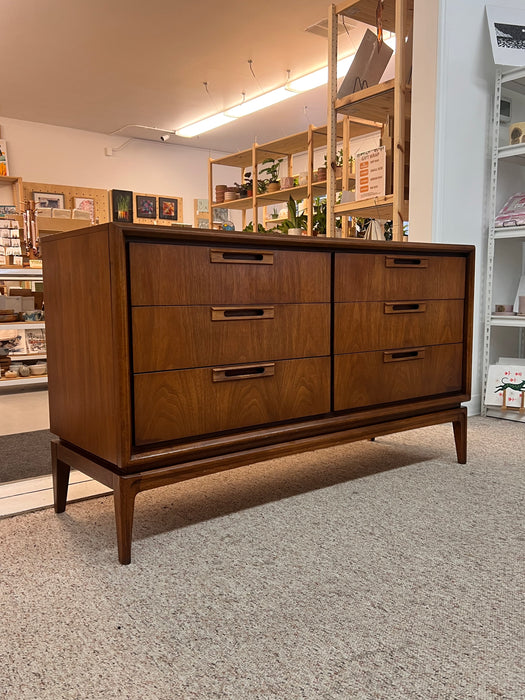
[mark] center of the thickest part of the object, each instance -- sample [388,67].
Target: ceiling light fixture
[204,125]
[303,84]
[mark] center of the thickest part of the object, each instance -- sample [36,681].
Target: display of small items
[20,369]
[10,243]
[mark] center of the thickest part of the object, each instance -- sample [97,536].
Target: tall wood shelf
[387,104]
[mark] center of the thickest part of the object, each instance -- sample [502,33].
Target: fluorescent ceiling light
[306,82]
[257,103]
[310,81]
[204,125]
[319,77]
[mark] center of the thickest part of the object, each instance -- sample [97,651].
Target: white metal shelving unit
[504,336]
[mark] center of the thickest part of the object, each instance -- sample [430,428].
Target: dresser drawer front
[376,325]
[377,277]
[182,403]
[163,274]
[373,378]
[178,337]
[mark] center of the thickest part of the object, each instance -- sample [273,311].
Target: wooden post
[331,121]
[210,193]
[399,121]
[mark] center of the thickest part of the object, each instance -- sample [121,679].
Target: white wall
[57,155]
[460,168]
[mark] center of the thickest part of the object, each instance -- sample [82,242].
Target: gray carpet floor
[25,455]
[376,570]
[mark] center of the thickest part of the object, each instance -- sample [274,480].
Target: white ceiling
[101,65]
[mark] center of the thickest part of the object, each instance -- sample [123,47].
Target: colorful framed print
[168,208]
[4,166]
[48,200]
[145,207]
[122,206]
[85,204]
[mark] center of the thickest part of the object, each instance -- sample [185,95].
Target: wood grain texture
[173,405]
[365,379]
[364,326]
[190,338]
[364,277]
[214,390]
[294,277]
[83,393]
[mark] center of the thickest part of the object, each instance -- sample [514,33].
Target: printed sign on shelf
[370,171]
[505,378]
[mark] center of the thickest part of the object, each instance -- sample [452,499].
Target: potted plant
[272,170]
[248,184]
[249,227]
[296,223]
[319,217]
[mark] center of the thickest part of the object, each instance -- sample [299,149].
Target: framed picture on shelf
[48,200]
[36,341]
[122,205]
[13,341]
[168,208]
[85,204]
[4,167]
[220,215]
[145,207]
[202,206]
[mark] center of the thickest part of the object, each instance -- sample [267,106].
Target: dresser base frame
[126,487]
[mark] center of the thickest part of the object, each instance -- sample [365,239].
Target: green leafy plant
[249,227]
[272,169]
[319,217]
[294,220]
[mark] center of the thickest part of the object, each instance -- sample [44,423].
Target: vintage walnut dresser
[175,354]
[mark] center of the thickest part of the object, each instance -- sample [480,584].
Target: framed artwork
[220,215]
[122,205]
[145,207]
[85,204]
[4,167]
[168,208]
[48,200]
[202,206]
[507,34]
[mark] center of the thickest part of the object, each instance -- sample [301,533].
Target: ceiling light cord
[250,63]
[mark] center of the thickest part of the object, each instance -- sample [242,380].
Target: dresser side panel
[83,390]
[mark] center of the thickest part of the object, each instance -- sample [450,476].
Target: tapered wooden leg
[124,497]
[460,436]
[60,472]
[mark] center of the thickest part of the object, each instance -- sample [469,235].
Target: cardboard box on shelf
[18,304]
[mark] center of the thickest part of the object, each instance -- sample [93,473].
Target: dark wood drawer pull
[228,374]
[406,261]
[403,355]
[241,313]
[252,257]
[405,307]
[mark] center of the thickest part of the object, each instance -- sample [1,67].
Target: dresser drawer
[372,378]
[392,277]
[178,404]
[375,325]
[178,337]
[163,274]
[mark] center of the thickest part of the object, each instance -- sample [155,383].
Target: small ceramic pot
[273,187]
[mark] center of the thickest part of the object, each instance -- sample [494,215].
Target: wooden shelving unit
[387,104]
[16,187]
[303,144]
